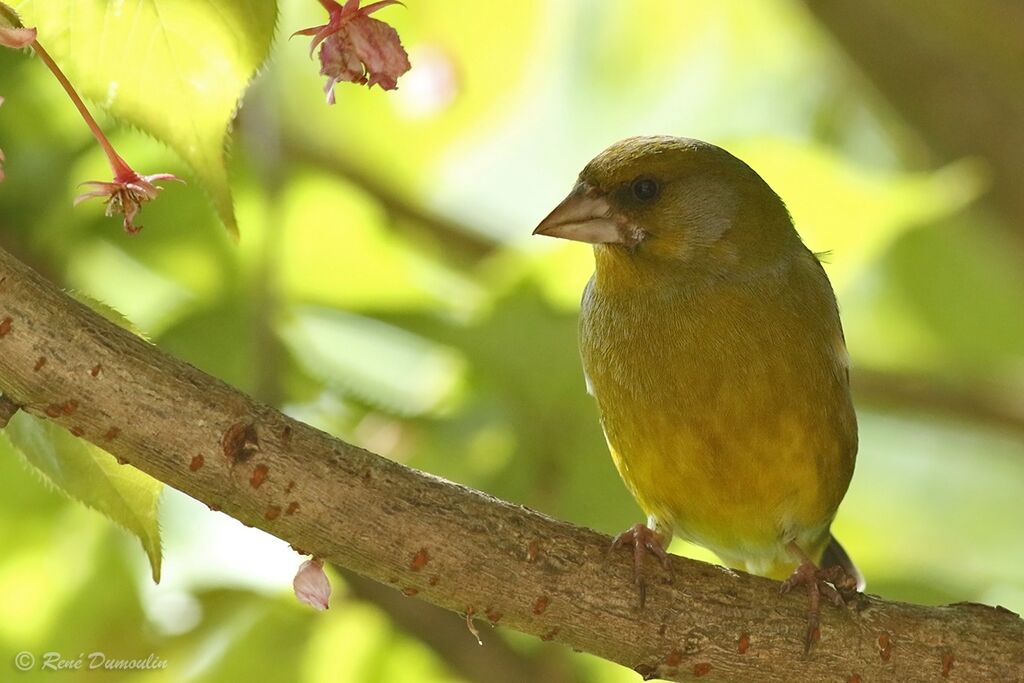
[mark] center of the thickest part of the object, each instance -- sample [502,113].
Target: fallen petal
[16,37]
[311,584]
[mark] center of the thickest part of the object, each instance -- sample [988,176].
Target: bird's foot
[643,540]
[833,583]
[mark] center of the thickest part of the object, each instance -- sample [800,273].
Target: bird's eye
[645,189]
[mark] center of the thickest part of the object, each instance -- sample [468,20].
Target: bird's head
[673,207]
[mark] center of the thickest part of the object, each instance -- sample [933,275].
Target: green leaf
[378,363]
[92,476]
[852,211]
[175,69]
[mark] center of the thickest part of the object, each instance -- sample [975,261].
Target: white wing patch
[586,380]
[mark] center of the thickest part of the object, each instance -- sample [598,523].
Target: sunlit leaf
[375,362]
[339,250]
[972,321]
[92,476]
[849,210]
[173,68]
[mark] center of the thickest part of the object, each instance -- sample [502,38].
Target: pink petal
[16,37]
[89,195]
[102,184]
[370,9]
[311,584]
[143,191]
[319,33]
[149,180]
[339,64]
[379,48]
[312,30]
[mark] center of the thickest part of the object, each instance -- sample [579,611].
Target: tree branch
[455,239]
[7,410]
[978,403]
[452,546]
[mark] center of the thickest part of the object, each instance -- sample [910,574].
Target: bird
[710,338]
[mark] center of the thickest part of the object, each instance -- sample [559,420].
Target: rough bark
[445,543]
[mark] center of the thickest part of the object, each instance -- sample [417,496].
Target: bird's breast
[727,413]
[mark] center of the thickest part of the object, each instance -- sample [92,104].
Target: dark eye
[645,189]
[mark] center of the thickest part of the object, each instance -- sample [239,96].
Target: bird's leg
[831,582]
[645,540]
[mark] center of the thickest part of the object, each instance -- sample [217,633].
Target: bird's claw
[831,582]
[643,540]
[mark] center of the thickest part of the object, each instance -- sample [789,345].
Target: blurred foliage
[91,476]
[330,308]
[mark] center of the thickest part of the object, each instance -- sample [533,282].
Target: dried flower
[356,48]
[311,584]
[128,190]
[126,194]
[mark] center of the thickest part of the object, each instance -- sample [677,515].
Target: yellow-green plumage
[711,340]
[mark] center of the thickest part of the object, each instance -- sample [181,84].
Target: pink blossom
[128,191]
[356,48]
[16,37]
[311,585]
[126,194]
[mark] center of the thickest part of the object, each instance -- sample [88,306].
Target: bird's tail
[835,555]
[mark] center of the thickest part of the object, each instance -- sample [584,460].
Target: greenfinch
[711,340]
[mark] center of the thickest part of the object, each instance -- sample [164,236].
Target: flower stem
[117,164]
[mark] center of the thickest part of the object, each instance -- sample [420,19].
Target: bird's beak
[585,216]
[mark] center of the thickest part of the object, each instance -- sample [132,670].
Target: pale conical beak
[584,216]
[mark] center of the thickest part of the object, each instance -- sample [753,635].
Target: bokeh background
[386,289]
